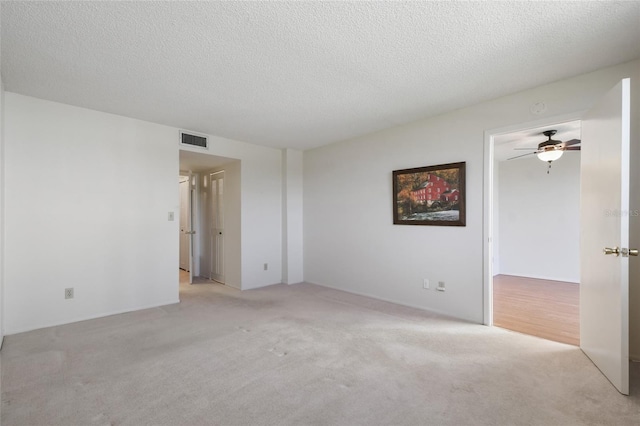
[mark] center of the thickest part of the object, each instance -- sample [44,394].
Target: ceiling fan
[550,150]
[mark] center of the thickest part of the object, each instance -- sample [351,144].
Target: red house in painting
[431,190]
[451,196]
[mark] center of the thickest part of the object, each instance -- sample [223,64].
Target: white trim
[217,176]
[487,230]
[396,302]
[487,201]
[91,317]
[255,287]
[195,222]
[539,277]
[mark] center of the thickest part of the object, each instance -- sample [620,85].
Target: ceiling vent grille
[194,140]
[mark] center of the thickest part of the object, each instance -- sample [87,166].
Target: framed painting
[432,195]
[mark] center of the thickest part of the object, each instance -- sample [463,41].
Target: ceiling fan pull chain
[549,168]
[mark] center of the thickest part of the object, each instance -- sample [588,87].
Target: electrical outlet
[425,284]
[170,217]
[441,286]
[266,266]
[68,293]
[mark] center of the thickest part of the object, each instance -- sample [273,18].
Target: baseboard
[258,286]
[91,317]
[538,277]
[233,286]
[397,302]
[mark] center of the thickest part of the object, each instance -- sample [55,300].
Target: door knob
[620,251]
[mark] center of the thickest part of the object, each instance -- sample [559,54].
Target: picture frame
[431,195]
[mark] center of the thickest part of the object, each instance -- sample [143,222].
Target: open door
[190,225]
[186,224]
[604,244]
[217,226]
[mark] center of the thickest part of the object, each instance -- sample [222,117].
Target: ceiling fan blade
[572,148]
[572,142]
[525,149]
[523,155]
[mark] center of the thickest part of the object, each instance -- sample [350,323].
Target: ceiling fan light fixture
[550,155]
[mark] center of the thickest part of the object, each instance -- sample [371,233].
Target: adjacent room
[296,213]
[536,238]
[206,204]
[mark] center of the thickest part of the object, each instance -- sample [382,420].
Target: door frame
[193,222]
[488,201]
[220,278]
[187,179]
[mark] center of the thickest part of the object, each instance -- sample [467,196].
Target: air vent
[193,140]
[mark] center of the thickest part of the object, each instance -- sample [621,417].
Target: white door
[217,226]
[604,208]
[190,224]
[184,223]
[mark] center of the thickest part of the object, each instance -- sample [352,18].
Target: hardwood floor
[547,309]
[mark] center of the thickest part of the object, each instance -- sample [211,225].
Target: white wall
[539,223]
[292,232]
[350,241]
[233,224]
[87,199]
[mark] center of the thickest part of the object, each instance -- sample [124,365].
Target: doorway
[214,189]
[535,265]
[604,231]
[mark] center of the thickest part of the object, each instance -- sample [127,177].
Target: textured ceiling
[302,74]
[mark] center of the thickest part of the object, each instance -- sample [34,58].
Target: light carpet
[299,355]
